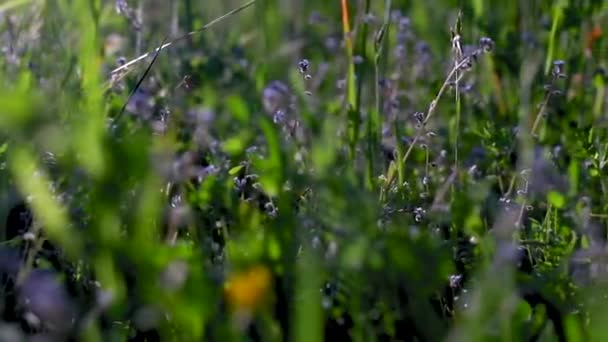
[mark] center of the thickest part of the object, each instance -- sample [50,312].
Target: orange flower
[247,290]
[591,37]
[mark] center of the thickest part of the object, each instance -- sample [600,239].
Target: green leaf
[574,176]
[556,199]
[236,144]
[235,170]
[309,312]
[33,181]
[238,108]
[271,168]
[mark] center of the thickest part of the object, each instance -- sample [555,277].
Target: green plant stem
[374,122]
[360,81]
[457,124]
[351,88]
[541,112]
[400,166]
[32,251]
[558,12]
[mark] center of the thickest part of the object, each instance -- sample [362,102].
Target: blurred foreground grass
[304,170]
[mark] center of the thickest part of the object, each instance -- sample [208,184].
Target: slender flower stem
[433,104]
[189,34]
[541,111]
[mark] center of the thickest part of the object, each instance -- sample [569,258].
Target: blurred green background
[434,170]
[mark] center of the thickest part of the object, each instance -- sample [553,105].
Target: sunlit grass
[303,170]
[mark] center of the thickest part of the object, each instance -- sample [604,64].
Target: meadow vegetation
[303,170]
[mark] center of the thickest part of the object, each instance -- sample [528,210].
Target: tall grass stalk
[353,114]
[374,120]
[172,41]
[434,102]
